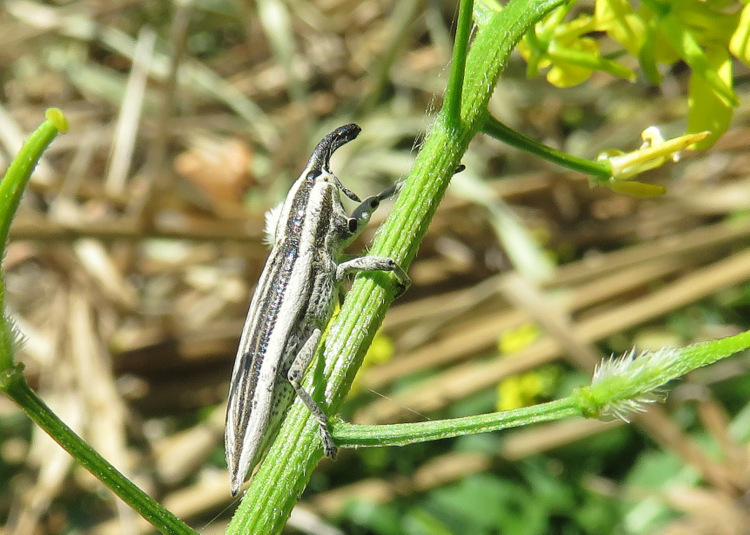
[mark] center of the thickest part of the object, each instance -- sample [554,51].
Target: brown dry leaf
[706,512]
[218,166]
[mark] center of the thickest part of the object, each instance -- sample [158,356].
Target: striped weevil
[292,304]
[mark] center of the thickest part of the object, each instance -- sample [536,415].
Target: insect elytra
[292,304]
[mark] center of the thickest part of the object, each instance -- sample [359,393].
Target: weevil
[293,302]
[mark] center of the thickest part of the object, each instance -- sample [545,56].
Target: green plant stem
[296,450]
[11,190]
[621,387]
[452,101]
[352,435]
[582,59]
[493,127]
[12,381]
[18,175]
[14,384]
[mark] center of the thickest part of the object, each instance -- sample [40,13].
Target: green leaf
[739,44]
[420,522]
[707,107]
[380,519]
[485,504]
[648,52]
[685,42]
[637,189]
[484,10]
[617,18]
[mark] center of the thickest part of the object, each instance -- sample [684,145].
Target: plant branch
[14,384]
[18,175]
[453,93]
[493,127]
[621,386]
[362,436]
[12,381]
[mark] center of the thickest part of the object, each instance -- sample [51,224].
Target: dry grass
[137,246]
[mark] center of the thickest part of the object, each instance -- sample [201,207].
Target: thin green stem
[11,190]
[19,172]
[620,387]
[595,63]
[625,384]
[493,127]
[12,381]
[296,450]
[453,92]
[14,384]
[547,29]
[352,435]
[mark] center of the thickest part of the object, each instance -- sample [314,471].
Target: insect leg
[295,374]
[374,263]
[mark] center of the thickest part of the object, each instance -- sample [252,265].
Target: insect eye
[353,224]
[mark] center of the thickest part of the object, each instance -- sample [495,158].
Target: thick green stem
[283,475]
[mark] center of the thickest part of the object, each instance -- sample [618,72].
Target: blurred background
[136,249]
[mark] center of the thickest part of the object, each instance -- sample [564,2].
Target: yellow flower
[654,151]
